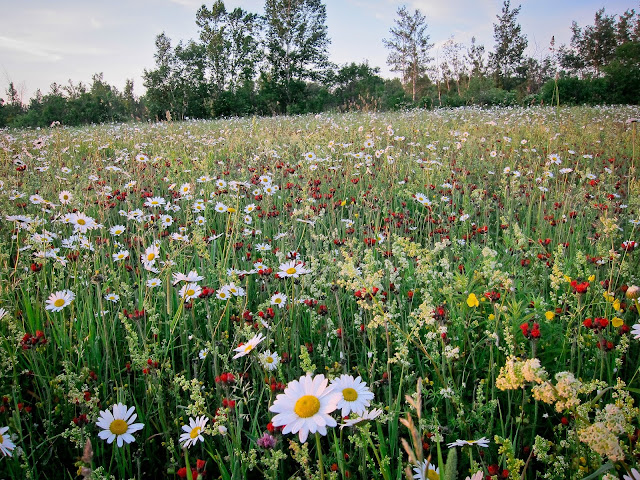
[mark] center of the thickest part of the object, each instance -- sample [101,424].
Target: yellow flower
[608,297]
[616,305]
[617,322]
[343,203]
[231,210]
[492,317]
[567,278]
[549,315]
[592,278]
[472,300]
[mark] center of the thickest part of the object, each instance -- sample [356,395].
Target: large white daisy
[118,425]
[304,407]
[355,396]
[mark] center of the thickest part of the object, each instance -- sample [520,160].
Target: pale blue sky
[45,41]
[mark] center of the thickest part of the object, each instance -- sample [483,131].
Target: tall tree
[231,41]
[508,57]
[409,45]
[158,82]
[475,59]
[296,47]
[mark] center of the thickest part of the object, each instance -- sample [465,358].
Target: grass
[454,260]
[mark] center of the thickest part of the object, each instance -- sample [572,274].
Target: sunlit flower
[58,300]
[367,416]
[117,230]
[481,442]
[472,300]
[121,255]
[112,297]
[304,407]
[355,396]
[193,431]
[154,282]
[191,277]
[426,471]
[150,254]
[118,425]
[190,291]
[65,197]
[268,360]
[279,299]
[246,348]
[293,269]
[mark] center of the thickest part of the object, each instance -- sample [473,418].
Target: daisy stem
[319,450]
[186,460]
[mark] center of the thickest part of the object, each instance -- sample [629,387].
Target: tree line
[243,63]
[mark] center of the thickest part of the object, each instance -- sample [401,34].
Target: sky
[45,41]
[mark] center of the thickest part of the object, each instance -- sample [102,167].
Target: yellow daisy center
[291,270]
[277,300]
[190,292]
[432,475]
[81,221]
[350,395]
[307,406]
[269,359]
[118,427]
[195,432]
[151,256]
[59,302]
[118,232]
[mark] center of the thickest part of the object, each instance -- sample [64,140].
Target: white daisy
[367,416]
[65,197]
[6,445]
[154,282]
[304,407]
[117,230]
[112,297]
[426,470]
[355,396]
[279,299]
[293,269]
[268,360]
[121,255]
[193,431]
[190,291]
[635,331]
[246,348]
[58,300]
[118,425]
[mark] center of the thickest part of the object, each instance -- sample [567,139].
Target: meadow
[426,294]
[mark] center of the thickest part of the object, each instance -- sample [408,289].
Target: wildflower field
[443,294]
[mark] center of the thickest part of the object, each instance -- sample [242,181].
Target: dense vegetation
[476,268]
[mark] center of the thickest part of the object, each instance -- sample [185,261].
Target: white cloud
[29,49]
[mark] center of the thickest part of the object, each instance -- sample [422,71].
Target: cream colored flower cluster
[516,373]
[564,394]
